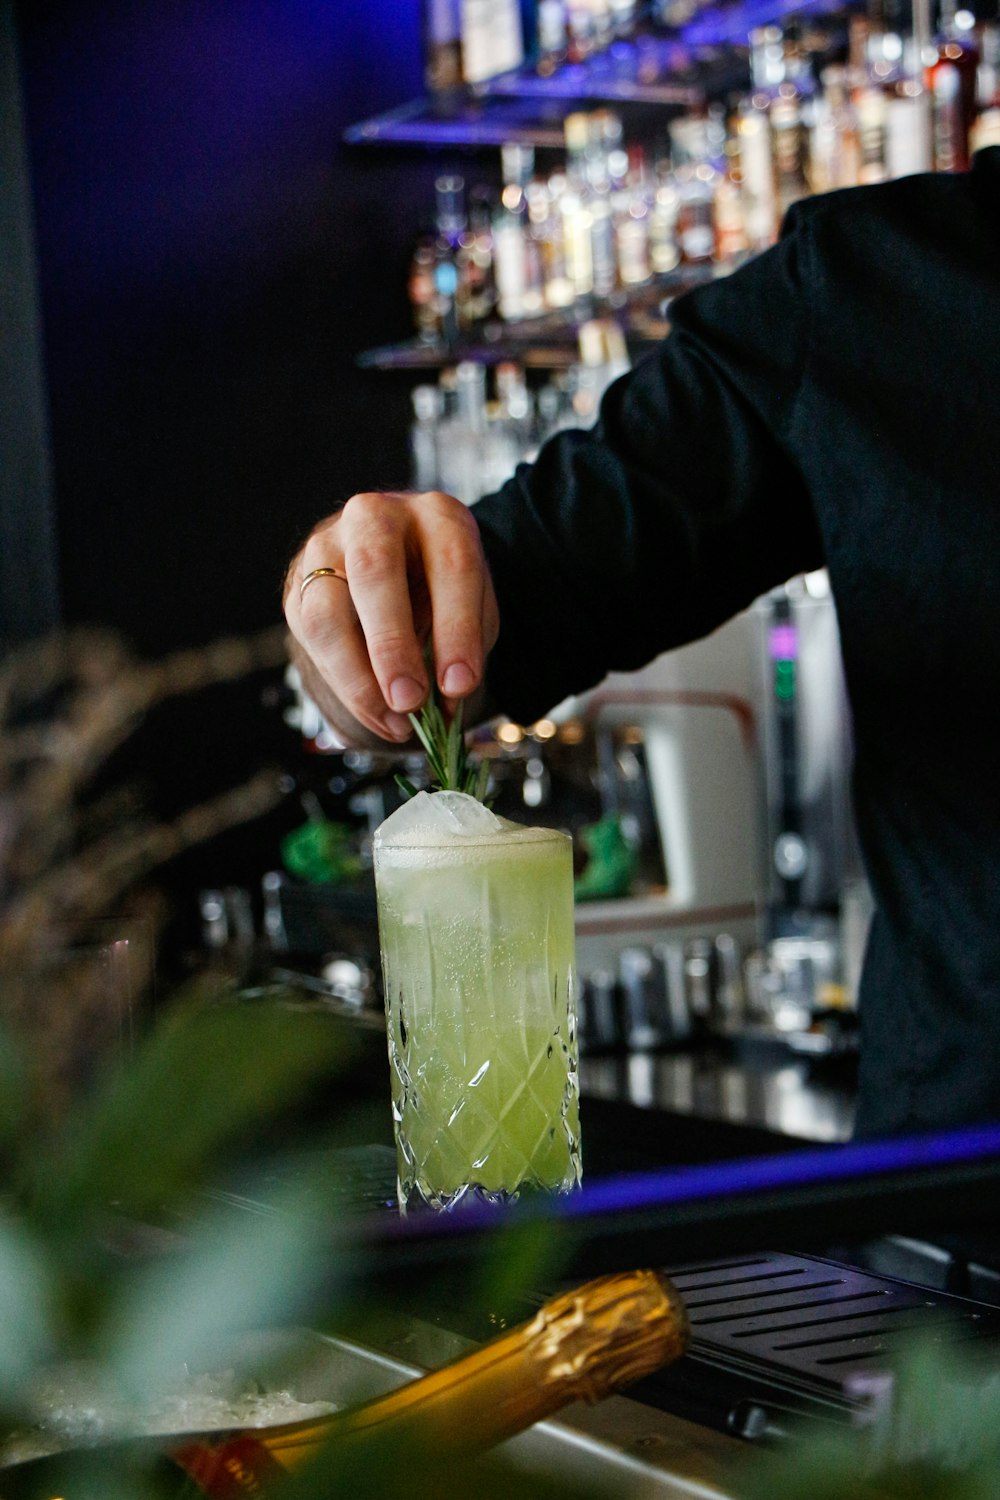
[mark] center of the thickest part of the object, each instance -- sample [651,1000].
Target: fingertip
[458,679]
[406,694]
[398,726]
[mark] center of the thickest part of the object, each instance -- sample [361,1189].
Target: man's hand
[413,570]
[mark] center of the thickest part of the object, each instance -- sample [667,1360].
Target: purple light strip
[858,1162]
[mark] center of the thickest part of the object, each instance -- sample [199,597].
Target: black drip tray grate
[785,1333]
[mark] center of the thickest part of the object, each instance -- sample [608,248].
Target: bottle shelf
[527,107]
[649,70]
[462,119]
[416,354]
[550,342]
[679,69]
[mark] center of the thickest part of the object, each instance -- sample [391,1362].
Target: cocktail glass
[476,930]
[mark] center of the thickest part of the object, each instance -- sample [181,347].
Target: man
[835,402]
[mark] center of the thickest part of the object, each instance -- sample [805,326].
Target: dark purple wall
[211,258]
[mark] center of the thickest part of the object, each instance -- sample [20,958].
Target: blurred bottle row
[681,992]
[471,429]
[714,186]
[467,42]
[602,223]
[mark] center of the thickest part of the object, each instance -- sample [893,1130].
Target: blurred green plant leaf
[13,1090]
[203,1080]
[382,1466]
[238,1272]
[27,1306]
[520,1260]
[103,1473]
[938,1439]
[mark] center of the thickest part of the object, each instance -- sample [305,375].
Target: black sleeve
[681,507]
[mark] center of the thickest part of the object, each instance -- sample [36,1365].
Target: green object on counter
[611,867]
[321,853]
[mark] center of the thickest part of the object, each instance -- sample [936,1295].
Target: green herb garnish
[447,754]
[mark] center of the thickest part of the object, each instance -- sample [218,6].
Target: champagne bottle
[581,1345]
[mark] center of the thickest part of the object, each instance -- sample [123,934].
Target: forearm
[681,507]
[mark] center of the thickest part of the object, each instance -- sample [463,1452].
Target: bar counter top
[789,1096]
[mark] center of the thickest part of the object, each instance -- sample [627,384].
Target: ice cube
[440,817]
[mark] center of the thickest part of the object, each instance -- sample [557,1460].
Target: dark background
[210,259]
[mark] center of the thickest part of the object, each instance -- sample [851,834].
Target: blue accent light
[863,1165]
[856,1162]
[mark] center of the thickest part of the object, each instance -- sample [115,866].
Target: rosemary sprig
[447,754]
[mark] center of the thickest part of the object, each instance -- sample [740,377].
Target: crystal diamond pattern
[478,963]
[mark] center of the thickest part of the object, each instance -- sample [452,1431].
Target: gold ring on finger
[320,573]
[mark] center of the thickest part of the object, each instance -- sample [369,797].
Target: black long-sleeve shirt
[837,402]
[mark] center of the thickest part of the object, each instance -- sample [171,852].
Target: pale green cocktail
[476,929]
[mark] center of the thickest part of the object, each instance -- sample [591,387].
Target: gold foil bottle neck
[608,1333]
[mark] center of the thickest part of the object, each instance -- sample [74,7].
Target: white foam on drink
[449,820]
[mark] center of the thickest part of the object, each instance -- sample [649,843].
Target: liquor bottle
[729,216]
[555,407]
[582,1345]
[632,204]
[517,256]
[603,357]
[908,118]
[664,255]
[552,38]
[581,39]
[890,103]
[604,24]
[951,83]
[492,40]
[697,179]
[477,285]
[763,205]
[788,117]
[871,110]
[450,221]
[442,45]
[421,291]
[508,427]
[514,407]
[834,151]
[574,207]
[767,59]
[822,144]
[783,85]
[986,126]
[760,215]
[461,435]
[881,51]
[428,407]
[546,227]
[624,15]
[604,137]
[949,146]
[789,148]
